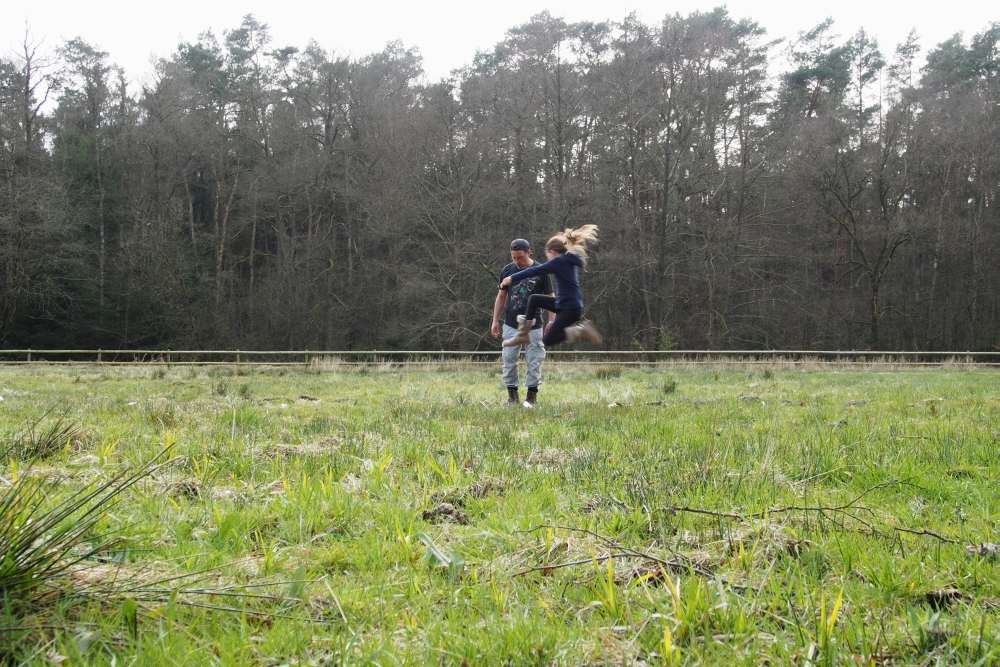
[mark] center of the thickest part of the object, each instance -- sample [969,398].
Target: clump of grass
[163,415]
[40,443]
[46,533]
[221,387]
[327,363]
[669,386]
[608,372]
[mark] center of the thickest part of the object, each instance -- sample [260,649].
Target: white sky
[447,32]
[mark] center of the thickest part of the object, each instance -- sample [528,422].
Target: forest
[826,192]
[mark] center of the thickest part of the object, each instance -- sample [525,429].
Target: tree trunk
[190,212]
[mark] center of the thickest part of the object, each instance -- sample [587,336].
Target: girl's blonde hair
[573,240]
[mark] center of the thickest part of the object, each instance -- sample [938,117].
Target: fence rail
[312,357]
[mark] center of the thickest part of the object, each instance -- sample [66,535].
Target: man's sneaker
[512,396]
[532,396]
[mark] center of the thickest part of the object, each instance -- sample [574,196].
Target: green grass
[384,516]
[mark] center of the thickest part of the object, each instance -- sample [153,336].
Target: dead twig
[928,533]
[595,559]
[677,509]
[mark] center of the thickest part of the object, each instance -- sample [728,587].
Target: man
[512,301]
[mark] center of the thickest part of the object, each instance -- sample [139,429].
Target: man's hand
[506,282]
[495,329]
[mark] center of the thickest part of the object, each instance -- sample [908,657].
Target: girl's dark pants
[564,317]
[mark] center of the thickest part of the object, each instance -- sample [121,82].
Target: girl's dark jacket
[565,268]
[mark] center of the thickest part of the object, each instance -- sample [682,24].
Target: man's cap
[520,244]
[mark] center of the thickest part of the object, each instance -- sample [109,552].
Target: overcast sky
[447,32]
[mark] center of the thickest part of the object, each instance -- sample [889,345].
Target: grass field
[387,516]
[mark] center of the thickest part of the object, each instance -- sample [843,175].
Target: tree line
[821,193]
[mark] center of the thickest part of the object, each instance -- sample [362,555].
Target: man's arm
[498,307]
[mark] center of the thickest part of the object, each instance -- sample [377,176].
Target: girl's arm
[532,271]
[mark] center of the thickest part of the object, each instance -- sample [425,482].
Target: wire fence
[320,359]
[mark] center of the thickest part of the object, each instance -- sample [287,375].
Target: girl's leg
[557,332]
[527,321]
[536,301]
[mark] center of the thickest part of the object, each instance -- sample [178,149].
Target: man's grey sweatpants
[534,353]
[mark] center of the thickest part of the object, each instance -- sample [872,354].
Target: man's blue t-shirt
[518,293]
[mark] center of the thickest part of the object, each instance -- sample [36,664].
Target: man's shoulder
[508,270]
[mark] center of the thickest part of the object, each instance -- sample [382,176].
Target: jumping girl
[567,254]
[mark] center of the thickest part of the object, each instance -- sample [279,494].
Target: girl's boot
[523,335]
[584,329]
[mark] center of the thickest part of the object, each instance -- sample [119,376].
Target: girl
[567,253]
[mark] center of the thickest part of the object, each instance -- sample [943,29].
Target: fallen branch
[623,551]
[845,510]
[791,508]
